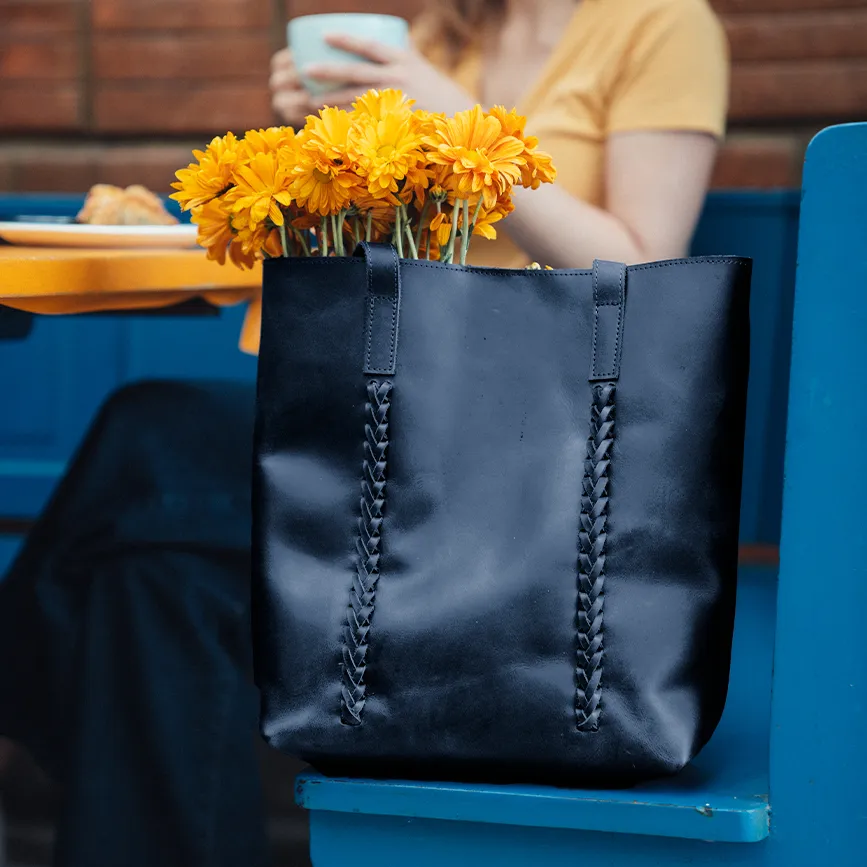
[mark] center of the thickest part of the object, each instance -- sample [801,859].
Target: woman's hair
[450,26]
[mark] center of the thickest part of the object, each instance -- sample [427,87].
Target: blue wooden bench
[779,784]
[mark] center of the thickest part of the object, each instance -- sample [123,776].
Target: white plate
[81,235]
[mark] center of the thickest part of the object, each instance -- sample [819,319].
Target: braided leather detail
[591,560]
[363,593]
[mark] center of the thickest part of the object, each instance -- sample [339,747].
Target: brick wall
[120,90]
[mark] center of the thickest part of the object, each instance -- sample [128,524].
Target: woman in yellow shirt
[628,96]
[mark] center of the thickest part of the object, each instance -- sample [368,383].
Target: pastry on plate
[107,205]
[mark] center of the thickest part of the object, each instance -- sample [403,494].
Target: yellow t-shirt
[622,65]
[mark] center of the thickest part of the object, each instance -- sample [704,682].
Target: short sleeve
[675,73]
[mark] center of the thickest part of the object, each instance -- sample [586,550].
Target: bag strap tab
[382,314]
[609,306]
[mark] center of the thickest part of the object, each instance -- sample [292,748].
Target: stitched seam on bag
[592,536]
[342,261]
[596,305]
[368,544]
[369,271]
[595,318]
[621,273]
[371,313]
[373,300]
[472,269]
[395,307]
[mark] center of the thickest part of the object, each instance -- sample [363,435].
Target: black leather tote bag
[496,515]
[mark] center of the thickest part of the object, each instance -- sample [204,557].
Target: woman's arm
[655,185]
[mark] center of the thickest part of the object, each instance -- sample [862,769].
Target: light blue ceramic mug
[306,38]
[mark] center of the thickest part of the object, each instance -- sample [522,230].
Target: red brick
[726,6]
[53,168]
[6,173]
[181,14]
[39,106]
[76,166]
[45,59]
[154,166]
[22,18]
[183,56]
[836,90]
[769,162]
[403,8]
[790,37]
[164,108]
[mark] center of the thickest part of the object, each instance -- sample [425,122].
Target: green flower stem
[341,220]
[421,220]
[356,230]
[450,250]
[336,236]
[465,245]
[323,237]
[369,228]
[476,213]
[398,230]
[471,229]
[301,240]
[429,242]
[284,240]
[412,246]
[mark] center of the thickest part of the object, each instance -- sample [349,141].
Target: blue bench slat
[665,810]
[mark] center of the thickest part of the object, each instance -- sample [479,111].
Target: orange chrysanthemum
[259,241]
[209,176]
[484,224]
[539,167]
[214,223]
[323,179]
[424,122]
[257,141]
[385,152]
[441,226]
[482,158]
[322,186]
[380,104]
[262,187]
[327,134]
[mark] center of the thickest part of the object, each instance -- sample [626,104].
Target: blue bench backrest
[764,226]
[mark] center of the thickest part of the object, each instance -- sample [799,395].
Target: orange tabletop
[67,280]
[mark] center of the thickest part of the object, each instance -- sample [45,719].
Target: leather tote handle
[382,315]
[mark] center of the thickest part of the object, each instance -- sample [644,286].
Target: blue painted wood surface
[763,226]
[819,748]
[795,737]
[69,365]
[20,206]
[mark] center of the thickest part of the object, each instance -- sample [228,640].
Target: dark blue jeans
[125,637]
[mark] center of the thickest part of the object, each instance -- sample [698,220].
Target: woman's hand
[288,96]
[384,66]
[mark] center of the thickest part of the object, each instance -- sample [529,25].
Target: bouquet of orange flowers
[382,172]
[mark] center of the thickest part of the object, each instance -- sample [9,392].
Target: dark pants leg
[124,636]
